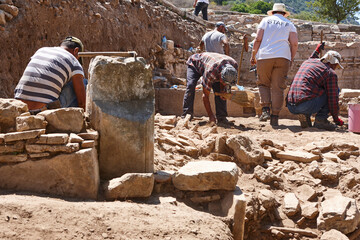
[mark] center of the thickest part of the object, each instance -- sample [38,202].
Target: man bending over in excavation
[53,78]
[219,73]
[315,90]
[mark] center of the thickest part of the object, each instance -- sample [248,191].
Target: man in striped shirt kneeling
[54,75]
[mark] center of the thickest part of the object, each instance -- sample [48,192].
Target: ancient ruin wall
[101,25]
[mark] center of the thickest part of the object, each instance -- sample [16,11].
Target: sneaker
[265,115]
[322,123]
[274,120]
[305,120]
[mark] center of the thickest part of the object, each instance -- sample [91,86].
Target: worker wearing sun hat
[274,50]
[314,90]
[49,72]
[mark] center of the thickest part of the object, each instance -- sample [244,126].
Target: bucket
[354,118]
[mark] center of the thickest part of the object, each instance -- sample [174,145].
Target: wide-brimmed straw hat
[278,7]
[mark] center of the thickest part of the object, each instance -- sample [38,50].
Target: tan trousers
[272,74]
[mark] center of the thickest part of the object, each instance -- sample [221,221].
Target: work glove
[338,121]
[320,46]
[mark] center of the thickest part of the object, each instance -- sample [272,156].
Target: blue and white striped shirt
[49,69]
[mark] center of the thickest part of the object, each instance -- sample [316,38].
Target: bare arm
[293,39]
[79,88]
[226,46]
[202,46]
[257,43]
[195,3]
[207,105]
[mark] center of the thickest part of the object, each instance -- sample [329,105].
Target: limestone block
[309,210]
[340,213]
[130,185]
[12,148]
[263,175]
[13,158]
[24,123]
[246,150]
[10,9]
[188,150]
[88,144]
[17,136]
[291,204]
[206,175]
[121,107]
[67,175]
[89,135]
[333,234]
[38,148]
[220,144]
[64,120]
[9,110]
[299,156]
[119,80]
[305,193]
[51,138]
[331,156]
[207,146]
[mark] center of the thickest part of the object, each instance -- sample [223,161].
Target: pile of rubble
[7,12]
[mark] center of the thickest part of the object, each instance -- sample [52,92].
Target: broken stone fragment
[188,150]
[163,176]
[2,17]
[246,150]
[130,185]
[64,120]
[299,156]
[89,135]
[291,204]
[265,176]
[51,138]
[305,193]
[10,9]
[39,155]
[333,234]
[309,210]
[24,123]
[267,199]
[9,110]
[206,175]
[74,138]
[340,213]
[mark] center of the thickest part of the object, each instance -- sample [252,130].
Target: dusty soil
[166,216]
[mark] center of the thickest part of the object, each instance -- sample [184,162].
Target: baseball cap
[229,74]
[332,57]
[218,24]
[78,42]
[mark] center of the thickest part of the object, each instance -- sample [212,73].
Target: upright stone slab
[122,107]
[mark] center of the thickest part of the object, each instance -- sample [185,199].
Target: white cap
[332,57]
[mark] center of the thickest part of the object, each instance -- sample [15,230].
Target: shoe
[224,121]
[305,120]
[265,115]
[274,120]
[323,123]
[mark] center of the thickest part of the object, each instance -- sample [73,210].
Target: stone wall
[50,152]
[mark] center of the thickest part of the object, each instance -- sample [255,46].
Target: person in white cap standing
[315,90]
[273,52]
[216,40]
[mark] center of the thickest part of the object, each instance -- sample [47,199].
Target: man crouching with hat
[218,72]
[52,70]
[315,90]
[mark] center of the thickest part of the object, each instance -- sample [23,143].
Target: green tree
[337,10]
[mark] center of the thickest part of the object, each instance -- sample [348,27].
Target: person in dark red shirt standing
[315,90]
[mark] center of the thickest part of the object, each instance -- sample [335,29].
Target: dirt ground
[25,216]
